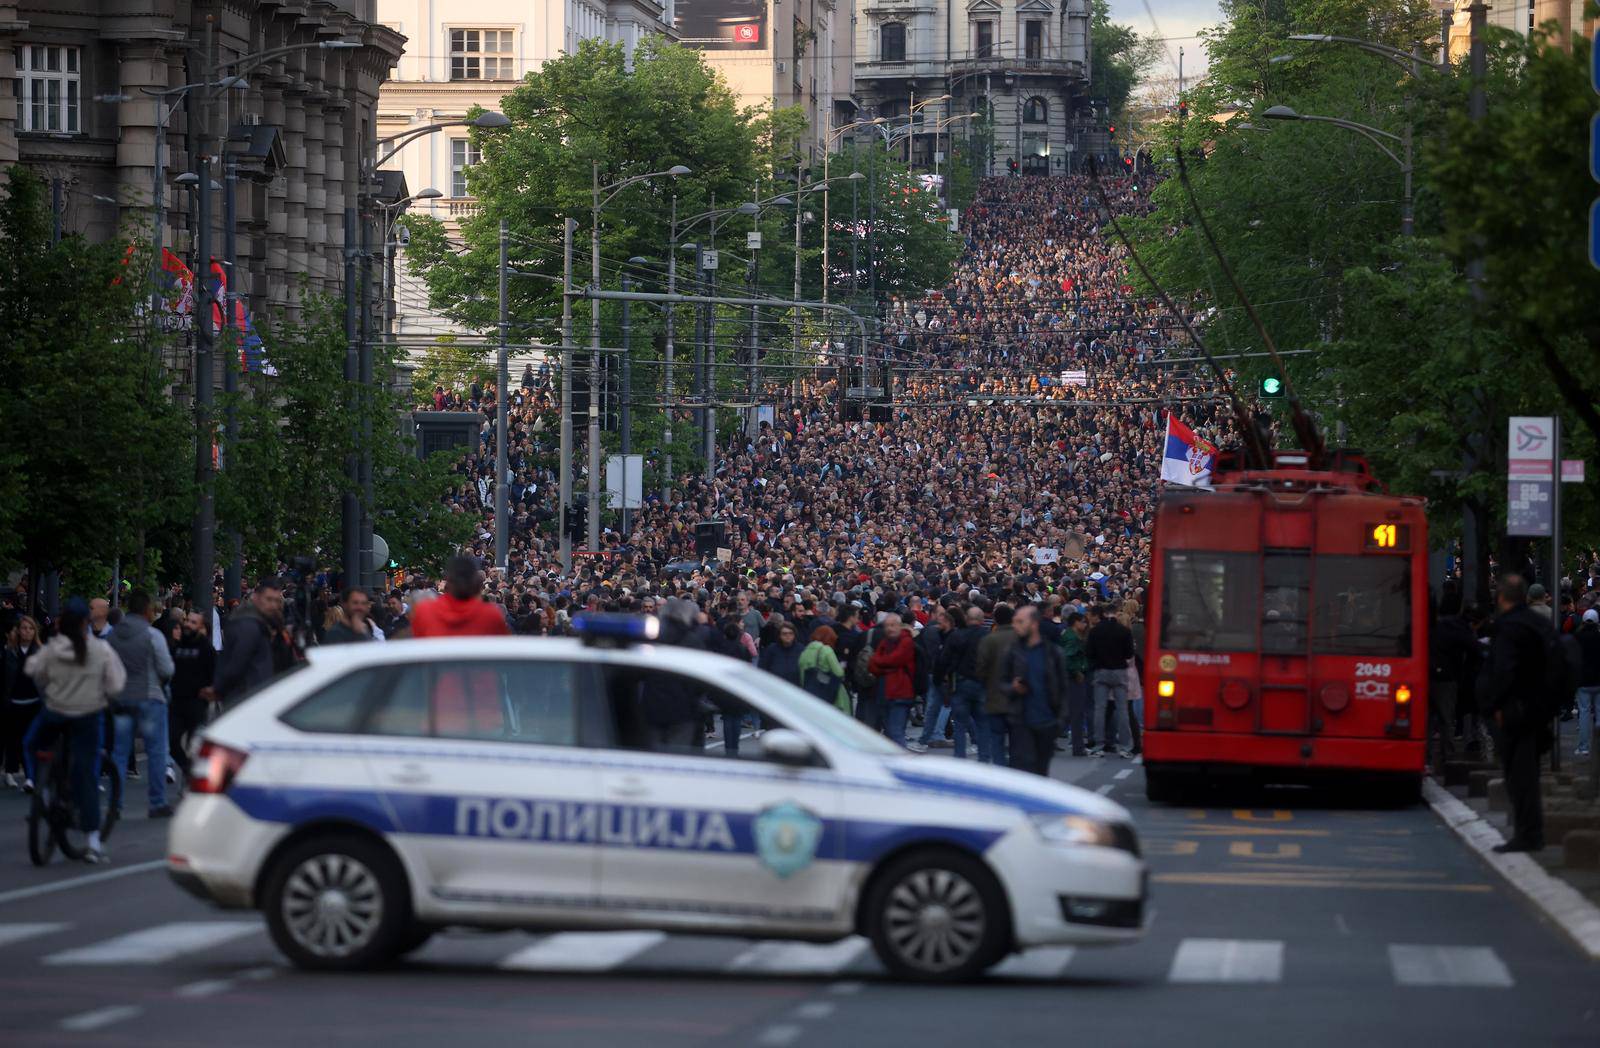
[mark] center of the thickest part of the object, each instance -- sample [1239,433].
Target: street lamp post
[1373,135]
[676,171]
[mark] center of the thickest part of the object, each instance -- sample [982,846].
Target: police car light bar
[612,629]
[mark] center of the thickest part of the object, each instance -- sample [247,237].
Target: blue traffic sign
[1594,234]
[1594,147]
[1594,62]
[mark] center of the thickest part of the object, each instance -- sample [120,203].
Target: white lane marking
[158,944]
[1227,960]
[815,1010]
[257,974]
[1340,923]
[10,933]
[100,1017]
[204,988]
[583,951]
[778,1036]
[1106,789]
[77,882]
[1448,966]
[799,958]
[844,989]
[1123,774]
[1044,962]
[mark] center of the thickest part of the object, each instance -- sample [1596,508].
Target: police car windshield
[804,710]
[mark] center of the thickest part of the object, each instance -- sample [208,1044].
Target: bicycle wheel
[108,770]
[63,817]
[41,837]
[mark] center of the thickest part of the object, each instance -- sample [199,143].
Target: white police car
[388,790]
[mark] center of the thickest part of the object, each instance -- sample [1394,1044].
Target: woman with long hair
[78,674]
[21,700]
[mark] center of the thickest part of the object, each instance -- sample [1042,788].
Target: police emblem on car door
[786,838]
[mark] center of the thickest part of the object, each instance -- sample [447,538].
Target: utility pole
[593,514]
[349,504]
[626,412]
[566,395]
[798,212]
[233,571]
[502,513]
[364,373]
[1474,584]
[204,531]
[672,289]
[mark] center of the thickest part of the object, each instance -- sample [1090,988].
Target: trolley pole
[566,397]
[502,512]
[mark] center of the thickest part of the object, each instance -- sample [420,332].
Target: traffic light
[1012,165]
[1111,129]
[1272,386]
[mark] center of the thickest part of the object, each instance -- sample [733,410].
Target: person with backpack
[856,647]
[821,673]
[1520,701]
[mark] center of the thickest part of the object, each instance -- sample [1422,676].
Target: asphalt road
[1280,919]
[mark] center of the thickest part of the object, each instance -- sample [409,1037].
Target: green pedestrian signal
[1272,386]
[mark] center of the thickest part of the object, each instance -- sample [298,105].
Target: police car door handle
[411,774]
[630,787]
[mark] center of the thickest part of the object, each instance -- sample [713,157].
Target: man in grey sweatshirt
[142,705]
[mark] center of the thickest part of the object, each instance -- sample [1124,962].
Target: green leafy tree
[97,451]
[450,363]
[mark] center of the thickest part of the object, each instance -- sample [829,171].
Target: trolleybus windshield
[1347,605]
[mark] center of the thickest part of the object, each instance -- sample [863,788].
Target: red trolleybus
[1288,629]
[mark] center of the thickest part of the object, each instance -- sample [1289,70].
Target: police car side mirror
[782,746]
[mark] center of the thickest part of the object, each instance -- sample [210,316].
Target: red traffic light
[1111,129]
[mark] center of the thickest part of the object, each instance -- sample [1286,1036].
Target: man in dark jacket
[1110,650]
[247,643]
[194,665]
[355,626]
[670,703]
[1075,652]
[782,657]
[1037,682]
[993,653]
[958,665]
[1520,707]
[930,645]
[1453,657]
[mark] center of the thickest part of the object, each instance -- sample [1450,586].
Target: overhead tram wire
[1242,420]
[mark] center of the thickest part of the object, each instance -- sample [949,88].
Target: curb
[1558,900]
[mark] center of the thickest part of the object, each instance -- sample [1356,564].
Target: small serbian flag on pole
[1186,459]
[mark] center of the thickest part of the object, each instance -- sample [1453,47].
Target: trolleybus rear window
[1363,606]
[1208,600]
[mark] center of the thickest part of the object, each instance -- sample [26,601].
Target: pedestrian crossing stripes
[159,944]
[1193,961]
[1227,961]
[1448,966]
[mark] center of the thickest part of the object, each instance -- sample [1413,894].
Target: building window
[1036,111]
[481,54]
[1033,39]
[463,154]
[983,39]
[48,88]
[892,43]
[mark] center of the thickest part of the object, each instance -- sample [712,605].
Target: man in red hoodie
[893,662]
[461,610]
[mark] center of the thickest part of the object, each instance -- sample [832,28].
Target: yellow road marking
[1222,830]
[1246,815]
[1166,847]
[1266,880]
[1247,850]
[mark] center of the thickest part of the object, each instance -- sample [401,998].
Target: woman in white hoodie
[78,674]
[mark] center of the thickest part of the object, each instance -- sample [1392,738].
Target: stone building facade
[82,113]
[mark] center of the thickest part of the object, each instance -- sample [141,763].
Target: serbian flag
[1186,459]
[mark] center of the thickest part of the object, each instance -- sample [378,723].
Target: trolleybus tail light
[1402,711]
[1402,695]
[215,768]
[1166,688]
[1166,713]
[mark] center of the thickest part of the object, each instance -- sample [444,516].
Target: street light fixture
[1375,136]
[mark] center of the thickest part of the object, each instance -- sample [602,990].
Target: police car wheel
[937,916]
[337,903]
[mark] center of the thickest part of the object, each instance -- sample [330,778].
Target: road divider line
[1227,961]
[99,1018]
[33,891]
[1044,962]
[204,988]
[815,1010]
[799,958]
[844,989]
[1448,966]
[779,1035]
[1576,916]
[1123,774]
[13,933]
[1105,791]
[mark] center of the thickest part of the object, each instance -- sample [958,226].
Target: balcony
[1002,64]
[461,208]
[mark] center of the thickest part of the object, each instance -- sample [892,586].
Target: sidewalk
[1564,878]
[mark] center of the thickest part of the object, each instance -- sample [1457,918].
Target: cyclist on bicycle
[78,675]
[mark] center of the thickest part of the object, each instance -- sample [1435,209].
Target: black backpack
[860,679]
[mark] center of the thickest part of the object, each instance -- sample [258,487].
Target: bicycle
[53,813]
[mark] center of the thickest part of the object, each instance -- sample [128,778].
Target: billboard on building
[722,25]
